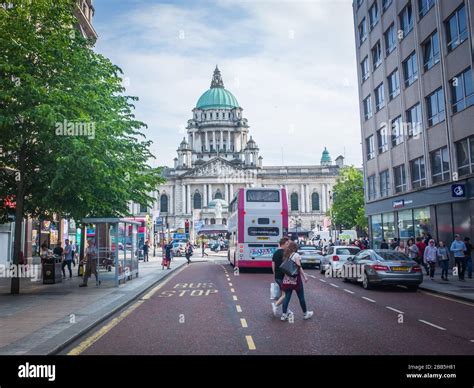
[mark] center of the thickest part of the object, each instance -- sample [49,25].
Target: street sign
[159,221]
[458,191]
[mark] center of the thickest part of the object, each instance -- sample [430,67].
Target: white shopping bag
[274,291]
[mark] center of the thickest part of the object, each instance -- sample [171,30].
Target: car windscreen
[307,249]
[347,251]
[390,256]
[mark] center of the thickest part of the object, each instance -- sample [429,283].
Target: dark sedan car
[383,267]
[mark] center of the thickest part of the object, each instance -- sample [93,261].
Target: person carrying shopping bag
[293,280]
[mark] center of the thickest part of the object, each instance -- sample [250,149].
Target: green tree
[348,202]
[71,144]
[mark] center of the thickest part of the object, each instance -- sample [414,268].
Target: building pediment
[216,168]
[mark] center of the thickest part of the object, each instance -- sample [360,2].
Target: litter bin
[52,270]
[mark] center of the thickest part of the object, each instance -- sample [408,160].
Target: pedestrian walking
[203,247]
[68,259]
[146,249]
[91,264]
[277,260]
[290,284]
[421,253]
[413,252]
[402,248]
[189,251]
[166,262]
[430,256]
[458,248]
[443,255]
[467,254]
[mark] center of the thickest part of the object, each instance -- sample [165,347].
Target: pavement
[463,290]
[43,319]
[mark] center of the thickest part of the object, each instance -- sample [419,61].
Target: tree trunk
[15,282]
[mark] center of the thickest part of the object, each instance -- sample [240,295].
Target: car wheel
[413,288]
[345,280]
[366,282]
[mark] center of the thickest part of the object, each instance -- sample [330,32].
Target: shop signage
[398,204]
[401,203]
[458,191]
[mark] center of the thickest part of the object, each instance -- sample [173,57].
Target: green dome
[217,98]
[325,158]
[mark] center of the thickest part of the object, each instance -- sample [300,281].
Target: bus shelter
[116,241]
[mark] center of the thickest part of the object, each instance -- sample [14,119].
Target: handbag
[289,267]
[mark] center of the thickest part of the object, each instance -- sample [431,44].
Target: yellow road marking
[239,309]
[448,298]
[88,342]
[250,342]
[234,297]
[96,336]
[243,322]
[232,290]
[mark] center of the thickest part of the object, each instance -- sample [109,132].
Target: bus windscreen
[263,196]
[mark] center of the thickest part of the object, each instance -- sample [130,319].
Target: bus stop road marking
[159,286]
[95,337]
[239,309]
[250,342]
[234,297]
[230,284]
[243,322]
[232,290]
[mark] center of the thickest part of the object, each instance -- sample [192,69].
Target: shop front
[439,212]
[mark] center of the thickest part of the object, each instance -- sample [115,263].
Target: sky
[290,64]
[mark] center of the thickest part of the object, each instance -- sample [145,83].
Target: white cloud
[291,66]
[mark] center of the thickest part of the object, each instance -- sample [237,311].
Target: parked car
[385,267]
[336,256]
[310,256]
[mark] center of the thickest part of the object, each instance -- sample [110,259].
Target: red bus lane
[193,314]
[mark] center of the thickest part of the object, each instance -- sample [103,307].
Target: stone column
[228,141]
[188,202]
[226,192]
[302,207]
[206,141]
[209,194]
[241,141]
[308,199]
[204,196]
[323,198]
[231,191]
[183,198]
[214,140]
[222,140]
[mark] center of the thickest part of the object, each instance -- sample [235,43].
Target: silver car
[383,267]
[310,256]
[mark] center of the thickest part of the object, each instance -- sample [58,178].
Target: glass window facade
[377,231]
[405,224]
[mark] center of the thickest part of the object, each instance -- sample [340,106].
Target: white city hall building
[219,156]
